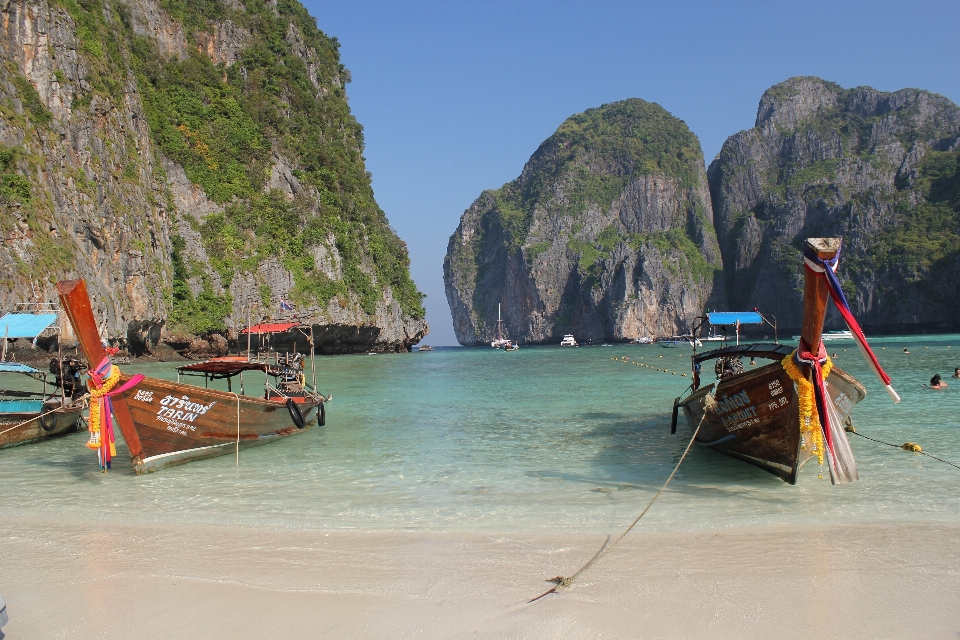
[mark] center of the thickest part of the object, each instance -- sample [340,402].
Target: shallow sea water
[545,439]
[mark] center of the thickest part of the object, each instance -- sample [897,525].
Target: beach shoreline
[101,580]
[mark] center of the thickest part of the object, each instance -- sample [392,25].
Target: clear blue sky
[455,97]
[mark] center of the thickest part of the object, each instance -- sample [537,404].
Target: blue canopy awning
[25,325]
[16,367]
[732,317]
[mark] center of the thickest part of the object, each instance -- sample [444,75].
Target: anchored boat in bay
[166,423]
[33,415]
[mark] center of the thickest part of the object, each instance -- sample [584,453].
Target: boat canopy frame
[756,350]
[733,317]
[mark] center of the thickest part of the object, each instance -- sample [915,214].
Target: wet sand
[102,580]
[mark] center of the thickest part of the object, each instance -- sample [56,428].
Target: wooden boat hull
[56,422]
[177,423]
[757,417]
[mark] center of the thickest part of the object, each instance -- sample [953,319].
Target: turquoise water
[543,439]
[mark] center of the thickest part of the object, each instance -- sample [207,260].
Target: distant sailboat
[500,342]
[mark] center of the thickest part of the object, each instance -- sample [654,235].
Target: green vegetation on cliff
[227,125]
[593,155]
[929,232]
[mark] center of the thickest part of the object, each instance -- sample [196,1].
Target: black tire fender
[673,419]
[48,420]
[295,414]
[322,420]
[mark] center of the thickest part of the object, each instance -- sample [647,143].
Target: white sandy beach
[101,580]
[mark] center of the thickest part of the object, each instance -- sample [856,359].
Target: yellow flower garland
[811,435]
[95,419]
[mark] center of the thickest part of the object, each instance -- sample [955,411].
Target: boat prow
[166,423]
[779,415]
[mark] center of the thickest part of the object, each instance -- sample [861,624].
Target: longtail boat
[166,423]
[782,414]
[33,415]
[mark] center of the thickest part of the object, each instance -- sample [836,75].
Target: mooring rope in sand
[708,405]
[906,446]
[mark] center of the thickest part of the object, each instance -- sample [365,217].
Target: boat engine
[67,372]
[727,367]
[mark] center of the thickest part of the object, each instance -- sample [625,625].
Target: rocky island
[607,233]
[614,231]
[196,163]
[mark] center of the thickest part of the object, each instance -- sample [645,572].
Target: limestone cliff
[607,233]
[196,163]
[877,169]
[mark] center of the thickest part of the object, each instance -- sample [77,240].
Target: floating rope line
[626,360]
[708,405]
[906,446]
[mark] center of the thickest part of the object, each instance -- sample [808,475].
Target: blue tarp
[25,325]
[731,317]
[16,367]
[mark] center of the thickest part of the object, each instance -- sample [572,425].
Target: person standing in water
[956,372]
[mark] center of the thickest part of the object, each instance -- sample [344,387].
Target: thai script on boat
[843,403]
[143,396]
[736,401]
[182,409]
[749,422]
[743,416]
[176,426]
[777,404]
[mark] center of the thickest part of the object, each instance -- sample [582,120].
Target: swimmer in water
[937,383]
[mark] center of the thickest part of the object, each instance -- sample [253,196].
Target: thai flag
[286,305]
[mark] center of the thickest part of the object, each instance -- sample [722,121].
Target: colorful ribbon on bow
[103,379]
[827,269]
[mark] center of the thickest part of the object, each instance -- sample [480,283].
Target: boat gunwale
[225,395]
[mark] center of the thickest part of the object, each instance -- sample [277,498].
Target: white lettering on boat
[736,401]
[745,423]
[843,402]
[775,388]
[777,404]
[176,426]
[739,418]
[174,409]
[143,396]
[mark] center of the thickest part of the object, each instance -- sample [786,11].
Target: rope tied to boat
[709,404]
[906,446]
[103,380]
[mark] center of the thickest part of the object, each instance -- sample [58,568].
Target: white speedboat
[833,335]
[679,341]
[568,341]
[643,340]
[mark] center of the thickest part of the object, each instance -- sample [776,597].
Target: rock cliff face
[196,163]
[607,234]
[877,169]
